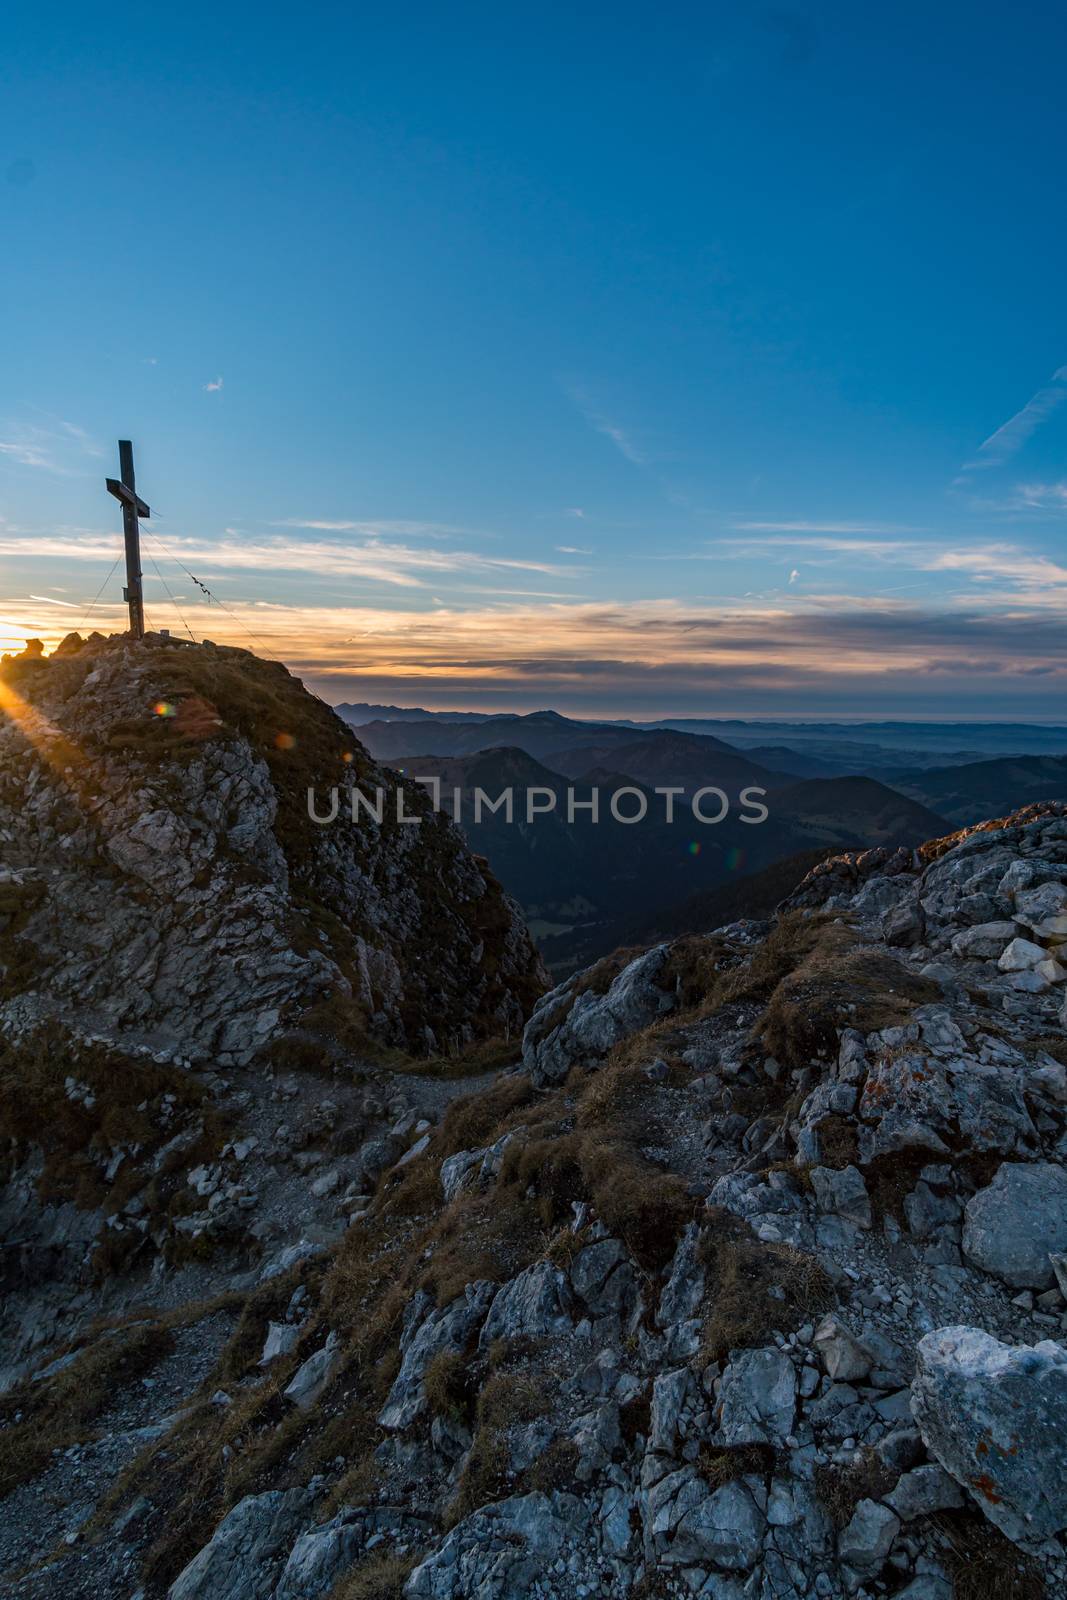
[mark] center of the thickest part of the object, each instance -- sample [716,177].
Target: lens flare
[284,741]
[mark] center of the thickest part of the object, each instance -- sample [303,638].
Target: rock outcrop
[164,886]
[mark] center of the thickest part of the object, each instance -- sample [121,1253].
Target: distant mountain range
[541,734]
[985,788]
[683,760]
[842,746]
[830,786]
[573,873]
[357,715]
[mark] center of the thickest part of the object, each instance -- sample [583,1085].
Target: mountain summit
[163,885]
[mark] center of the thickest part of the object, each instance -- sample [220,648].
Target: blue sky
[631,360]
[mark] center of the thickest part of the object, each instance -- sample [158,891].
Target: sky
[631,360]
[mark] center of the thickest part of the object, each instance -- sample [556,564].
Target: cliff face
[163,886]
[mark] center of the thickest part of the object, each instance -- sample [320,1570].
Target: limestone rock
[500,1550]
[922,1491]
[1012,1226]
[843,1193]
[246,1551]
[534,1305]
[757,1399]
[995,1417]
[1021,955]
[574,1026]
[311,1378]
[426,1336]
[845,1358]
[868,1538]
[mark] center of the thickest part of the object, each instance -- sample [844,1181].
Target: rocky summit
[164,886]
[741,1273]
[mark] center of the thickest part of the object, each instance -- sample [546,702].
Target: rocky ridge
[748,1282]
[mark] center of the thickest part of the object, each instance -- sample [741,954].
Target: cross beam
[124,488]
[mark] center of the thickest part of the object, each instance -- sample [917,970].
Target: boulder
[1038,906]
[244,1555]
[845,1358]
[984,942]
[310,1380]
[1021,955]
[725,1528]
[502,1550]
[757,1400]
[575,1026]
[995,1417]
[534,1305]
[924,1490]
[1011,1227]
[868,1538]
[843,1193]
[280,1339]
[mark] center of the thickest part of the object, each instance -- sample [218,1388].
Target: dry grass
[554,1468]
[840,1488]
[891,1178]
[983,1564]
[381,1577]
[737,1461]
[58,1412]
[507,1399]
[480,1236]
[484,1477]
[478,1060]
[839,983]
[838,1144]
[1054,1045]
[646,1208]
[510,1397]
[741,1273]
[447,1385]
[789,942]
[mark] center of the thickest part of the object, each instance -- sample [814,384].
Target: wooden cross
[125,491]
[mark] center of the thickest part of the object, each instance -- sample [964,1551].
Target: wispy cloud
[794,575]
[27,454]
[391,526]
[838,544]
[598,419]
[1044,496]
[828,527]
[573,550]
[213,387]
[1012,562]
[1013,434]
[772,653]
[376,560]
[58,447]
